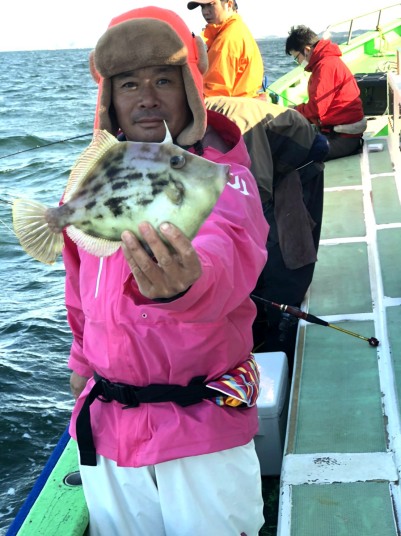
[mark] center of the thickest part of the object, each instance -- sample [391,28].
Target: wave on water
[45,97]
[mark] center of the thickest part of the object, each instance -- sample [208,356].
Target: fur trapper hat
[149,37]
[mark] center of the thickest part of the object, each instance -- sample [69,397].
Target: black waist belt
[132,397]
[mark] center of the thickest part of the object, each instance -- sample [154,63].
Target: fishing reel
[287,323]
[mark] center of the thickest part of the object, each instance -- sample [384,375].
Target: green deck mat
[343,172]
[385,200]
[343,214]
[347,292]
[380,162]
[356,509]
[339,399]
[389,245]
[393,326]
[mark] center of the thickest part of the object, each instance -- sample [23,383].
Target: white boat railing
[394,110]
[350,22]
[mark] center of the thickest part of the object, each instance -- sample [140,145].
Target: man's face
[215,12]
[143,99]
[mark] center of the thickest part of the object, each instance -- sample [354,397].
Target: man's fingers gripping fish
[113,187]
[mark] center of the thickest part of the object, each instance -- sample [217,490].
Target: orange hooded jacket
[235,63]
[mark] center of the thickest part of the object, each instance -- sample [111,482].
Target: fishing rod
[294,311]
[289,101]
[5,202]
[47,144]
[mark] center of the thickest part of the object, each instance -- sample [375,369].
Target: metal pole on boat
[314,319]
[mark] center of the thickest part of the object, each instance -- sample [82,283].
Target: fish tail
[33,231]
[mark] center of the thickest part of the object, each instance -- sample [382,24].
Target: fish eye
[177,161]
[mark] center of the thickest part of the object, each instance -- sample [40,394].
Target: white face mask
[304,63]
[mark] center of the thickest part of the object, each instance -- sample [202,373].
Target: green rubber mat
[393,326]
[380,161]
[389,245]
[339,388]
[343,172]
[343,214]
[355,509]
[385,200]
[341,280]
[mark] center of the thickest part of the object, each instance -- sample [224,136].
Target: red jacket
[333,92]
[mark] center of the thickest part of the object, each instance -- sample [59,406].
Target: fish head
[195,183]
[195,171]
[181,187]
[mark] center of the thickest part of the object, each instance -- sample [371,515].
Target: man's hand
[174,270]
[77,384]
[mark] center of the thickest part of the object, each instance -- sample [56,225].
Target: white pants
[218,494]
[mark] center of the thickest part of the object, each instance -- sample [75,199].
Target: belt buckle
[121,392]
[125,394]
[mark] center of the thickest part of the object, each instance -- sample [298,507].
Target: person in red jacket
[334,104]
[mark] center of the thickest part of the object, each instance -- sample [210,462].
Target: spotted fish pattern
[113,187]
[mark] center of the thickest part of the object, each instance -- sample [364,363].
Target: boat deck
[343,450]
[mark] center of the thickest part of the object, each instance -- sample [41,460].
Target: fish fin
[100,247]
[101,143]
[168,138]
[33,231]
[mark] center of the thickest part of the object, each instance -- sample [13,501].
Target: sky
[50,24]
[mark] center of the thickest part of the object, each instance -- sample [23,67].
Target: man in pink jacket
[161,355]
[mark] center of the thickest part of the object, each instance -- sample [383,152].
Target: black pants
[340,146]
[272,330]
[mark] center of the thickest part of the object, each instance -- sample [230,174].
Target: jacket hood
[323,49]
[211,31]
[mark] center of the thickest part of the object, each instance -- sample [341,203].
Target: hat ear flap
[197,127]
[106,117]
[92,67]
[203,63]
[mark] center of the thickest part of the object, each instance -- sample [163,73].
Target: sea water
[45,97]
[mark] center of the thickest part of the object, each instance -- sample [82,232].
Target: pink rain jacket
[128,338]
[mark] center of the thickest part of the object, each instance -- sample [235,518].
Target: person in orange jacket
[235,63]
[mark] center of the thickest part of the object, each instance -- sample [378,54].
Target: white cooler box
[272,410]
